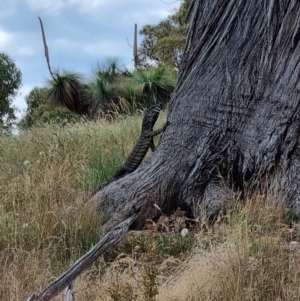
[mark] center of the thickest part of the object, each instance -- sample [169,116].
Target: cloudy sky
[79,34]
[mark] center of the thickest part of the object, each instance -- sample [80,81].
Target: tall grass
[44,228]
[43,176]
[254,261]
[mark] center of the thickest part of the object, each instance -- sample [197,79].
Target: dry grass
[246,256]
[255,261]
[43,174]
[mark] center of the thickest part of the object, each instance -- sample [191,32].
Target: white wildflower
[38,161]
[26,162]
[41,153]
[184,232]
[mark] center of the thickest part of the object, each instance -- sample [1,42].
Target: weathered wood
[84,262]
[70,292]
[234,120]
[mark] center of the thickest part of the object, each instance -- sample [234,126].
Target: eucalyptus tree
[10,83]
[163,43]
[234,122]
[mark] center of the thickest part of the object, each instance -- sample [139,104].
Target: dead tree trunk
[234,117]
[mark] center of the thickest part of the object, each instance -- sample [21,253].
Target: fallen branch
[111,238]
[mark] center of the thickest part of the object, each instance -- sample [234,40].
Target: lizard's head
[151,116]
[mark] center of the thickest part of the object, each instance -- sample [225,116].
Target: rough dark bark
[234,116]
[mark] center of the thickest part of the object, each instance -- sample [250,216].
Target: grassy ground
[250,254]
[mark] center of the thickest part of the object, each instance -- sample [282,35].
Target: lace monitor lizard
[141,147]
[144,142]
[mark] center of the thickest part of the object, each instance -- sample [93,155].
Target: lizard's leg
[155,133]
[152,145]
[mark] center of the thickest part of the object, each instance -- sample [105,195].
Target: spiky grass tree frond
[108,89]
[103,91]
[111,71]
[67,90]
[104,94]
[156,84]
[131,93]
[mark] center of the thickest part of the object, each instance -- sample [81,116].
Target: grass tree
[155,84]
[68,90]
[112,90]
[109,91]
[131,95]
[104,93]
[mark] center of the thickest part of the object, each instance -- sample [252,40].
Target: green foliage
[163,43]
[62,102]
[102,168]
[46,113]
[106,90]
[132,95]
[58,115]
[111,70]
[155,84]
[165,244]
[175,244]
[10,82]
[34,100]
[113,91]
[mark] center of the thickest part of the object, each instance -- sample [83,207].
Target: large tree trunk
[234,116]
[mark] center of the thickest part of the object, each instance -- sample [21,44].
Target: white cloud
[84,7]
[20,102]
[55,7]
[64,45]
[8,8]
[105,48]
[92,7]
[25,51]
[147,17]
[160,13]
[12,44]
[52,7]
[6,39]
